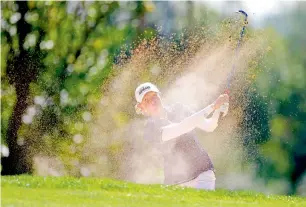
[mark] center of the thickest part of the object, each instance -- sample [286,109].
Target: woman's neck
[160,113]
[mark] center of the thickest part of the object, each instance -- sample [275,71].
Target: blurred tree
[22,69]
[58,54]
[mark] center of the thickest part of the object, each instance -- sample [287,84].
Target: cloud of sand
[194,77]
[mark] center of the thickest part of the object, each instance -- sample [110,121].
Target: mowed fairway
[66,191]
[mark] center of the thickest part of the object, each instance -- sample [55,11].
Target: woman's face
[151,104]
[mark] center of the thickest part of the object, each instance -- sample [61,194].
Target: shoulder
[179,107]
[180,111]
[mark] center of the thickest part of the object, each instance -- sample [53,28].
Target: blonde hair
[138,109]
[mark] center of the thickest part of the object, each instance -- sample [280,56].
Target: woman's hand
[222,99]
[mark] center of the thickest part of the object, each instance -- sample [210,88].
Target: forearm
[209,125]
[206,111]
[188,124]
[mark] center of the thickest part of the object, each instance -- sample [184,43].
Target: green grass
[67,191]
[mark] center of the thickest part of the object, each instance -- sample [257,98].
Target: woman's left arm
[210,124]
[220,106]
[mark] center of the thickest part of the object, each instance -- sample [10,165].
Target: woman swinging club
[171,129]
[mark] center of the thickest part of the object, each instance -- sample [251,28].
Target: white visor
[144,88]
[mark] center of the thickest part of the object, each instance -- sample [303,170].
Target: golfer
[171,129]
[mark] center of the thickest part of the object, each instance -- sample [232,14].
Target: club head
[242,12]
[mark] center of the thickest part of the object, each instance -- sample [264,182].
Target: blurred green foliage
[281,91]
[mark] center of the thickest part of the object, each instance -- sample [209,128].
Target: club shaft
[236,51]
